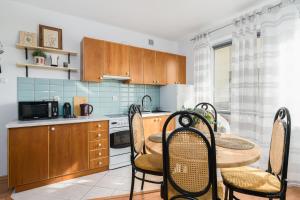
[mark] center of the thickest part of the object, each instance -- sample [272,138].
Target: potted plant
[39,57]
[207,115]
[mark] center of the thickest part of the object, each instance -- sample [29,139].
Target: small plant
[38,53]
[206,114]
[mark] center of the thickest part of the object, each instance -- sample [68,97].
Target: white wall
[15,17]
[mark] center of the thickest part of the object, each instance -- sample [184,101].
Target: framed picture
[50,37]
[28,39]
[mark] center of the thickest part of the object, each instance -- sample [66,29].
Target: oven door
[119,138]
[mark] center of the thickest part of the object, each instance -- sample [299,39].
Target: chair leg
[230,194]
[226,193]
[143,181]
[132,184]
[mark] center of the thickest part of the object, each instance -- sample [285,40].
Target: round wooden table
[226,158]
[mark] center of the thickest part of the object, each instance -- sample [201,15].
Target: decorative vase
[39,60]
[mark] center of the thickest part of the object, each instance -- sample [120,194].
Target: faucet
[144,97]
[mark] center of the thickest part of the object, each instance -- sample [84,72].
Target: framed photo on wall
[28,39]
[50,37]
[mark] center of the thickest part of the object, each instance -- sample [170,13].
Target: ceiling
[170,19]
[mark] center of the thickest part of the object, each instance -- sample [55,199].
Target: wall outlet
[114,98]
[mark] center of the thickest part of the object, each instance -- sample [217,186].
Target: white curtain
[203,79]
[279,79]
[266,76]
[244,82]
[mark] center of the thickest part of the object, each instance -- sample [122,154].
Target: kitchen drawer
[98,126]
[94,154]
[99,144]
[98,135]
[101,162]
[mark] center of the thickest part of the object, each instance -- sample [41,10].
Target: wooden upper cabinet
[149,65]
[68,147]
[93,59]
[117,56]
[28,155]
[181,69]
[172,68]
[160,70]
[136,65]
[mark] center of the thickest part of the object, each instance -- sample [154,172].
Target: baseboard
[3,179]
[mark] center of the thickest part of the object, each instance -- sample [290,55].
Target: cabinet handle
[99,144]
[52,128]
[99,135]
[100,163]
[100,77]
[100,154]
[99,125]
[153,81]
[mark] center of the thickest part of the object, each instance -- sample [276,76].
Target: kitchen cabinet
[93,59]
[181,69]
[160,69]
[176,69]
[143,66]
[28,155]
[136,65]
[148,64]
[41,155]
[117,56]
[154,125]
[68,149]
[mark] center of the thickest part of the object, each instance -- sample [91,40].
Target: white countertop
[60,120]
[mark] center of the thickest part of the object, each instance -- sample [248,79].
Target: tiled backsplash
[100,95]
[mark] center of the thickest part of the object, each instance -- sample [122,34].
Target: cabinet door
[93,59]
[68,149]
[151,126]
[172,68]
[149,65]
[160,70]
[182,69]
[117,59]
[28,155]
[136,65]
[163,120]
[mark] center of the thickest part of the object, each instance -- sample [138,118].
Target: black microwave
[29,110]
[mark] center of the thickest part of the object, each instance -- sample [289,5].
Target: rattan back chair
[211,111]
[140,160]
[273,182]
[189,159]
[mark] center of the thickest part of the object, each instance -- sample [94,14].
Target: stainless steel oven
[119,140]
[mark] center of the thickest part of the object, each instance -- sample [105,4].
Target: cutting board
[77,100]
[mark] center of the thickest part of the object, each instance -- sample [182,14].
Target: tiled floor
[110,183]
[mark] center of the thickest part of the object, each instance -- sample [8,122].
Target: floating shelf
[67,69]
[72,69]
[58,51]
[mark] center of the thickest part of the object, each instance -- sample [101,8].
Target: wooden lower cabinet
[28,155]
[47,154]
[68,147]
[154,125]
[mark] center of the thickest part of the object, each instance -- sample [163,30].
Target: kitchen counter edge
[46,122]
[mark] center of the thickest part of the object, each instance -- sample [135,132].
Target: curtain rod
[229,24]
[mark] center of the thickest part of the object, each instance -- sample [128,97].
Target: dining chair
[210,109]
[140,160]
[271,183]
[189,160]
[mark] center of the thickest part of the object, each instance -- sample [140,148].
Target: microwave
[30,110]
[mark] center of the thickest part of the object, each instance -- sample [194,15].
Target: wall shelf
[29,65]
[58,51]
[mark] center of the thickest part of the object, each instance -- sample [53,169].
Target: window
[222,62]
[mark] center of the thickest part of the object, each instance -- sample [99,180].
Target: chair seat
[251,179]
[149,162]
[172,192]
